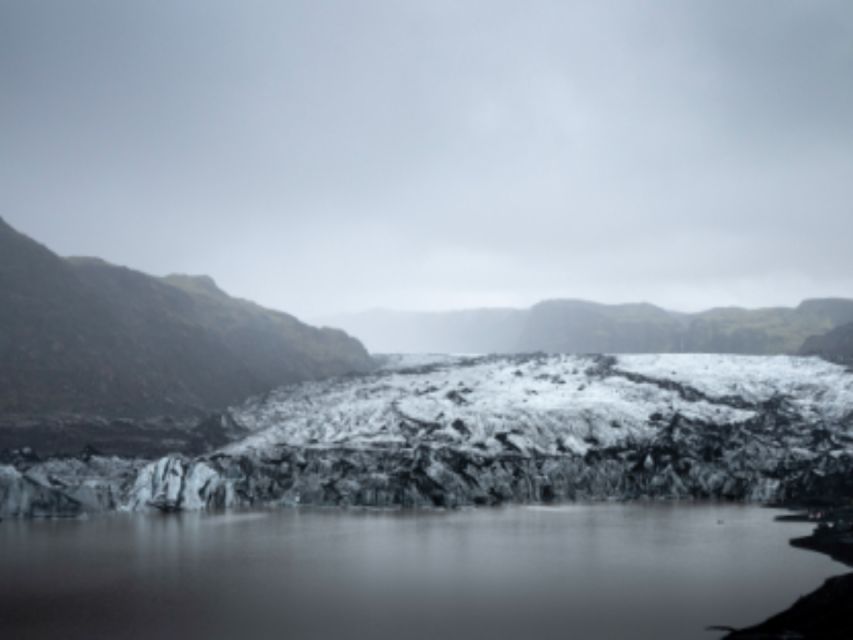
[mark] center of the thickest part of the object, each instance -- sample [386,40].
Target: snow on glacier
[821,390]
[545,403]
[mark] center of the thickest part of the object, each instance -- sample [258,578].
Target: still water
[606,571]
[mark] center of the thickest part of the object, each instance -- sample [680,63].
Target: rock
[821,615]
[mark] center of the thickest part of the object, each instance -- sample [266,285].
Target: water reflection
[577,571]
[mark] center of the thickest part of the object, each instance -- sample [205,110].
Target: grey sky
[332,156]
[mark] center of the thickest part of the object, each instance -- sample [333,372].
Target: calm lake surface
[609,571]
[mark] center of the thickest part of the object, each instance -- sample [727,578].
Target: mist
[323,157]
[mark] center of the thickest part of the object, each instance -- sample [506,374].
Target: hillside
[579,326]
[83,336]
[836,344]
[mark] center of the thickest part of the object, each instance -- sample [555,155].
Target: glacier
[451,431]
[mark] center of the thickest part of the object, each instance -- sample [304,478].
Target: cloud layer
[332,156]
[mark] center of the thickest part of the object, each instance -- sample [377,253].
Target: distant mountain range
[81,336]
[578,326]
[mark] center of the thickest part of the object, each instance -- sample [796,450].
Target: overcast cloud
[333,156]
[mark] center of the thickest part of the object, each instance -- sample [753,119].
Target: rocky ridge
[85,338]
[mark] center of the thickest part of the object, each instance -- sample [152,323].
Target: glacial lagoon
[586,571]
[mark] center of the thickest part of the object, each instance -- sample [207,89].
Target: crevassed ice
[547,403]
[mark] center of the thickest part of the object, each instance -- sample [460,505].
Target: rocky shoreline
[824,614]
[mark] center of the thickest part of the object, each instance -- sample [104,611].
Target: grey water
[584,571]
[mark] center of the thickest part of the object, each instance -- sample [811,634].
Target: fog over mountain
[836,344]
[579,326]
[82,336]
[328,157]
[541,254]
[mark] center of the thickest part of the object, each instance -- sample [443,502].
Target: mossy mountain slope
[84,336]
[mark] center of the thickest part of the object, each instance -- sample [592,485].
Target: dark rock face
[81,336]
[826,612]
[821,615]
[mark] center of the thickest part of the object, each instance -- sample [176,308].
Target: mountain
[836,344]
[82,336]
[579,326]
